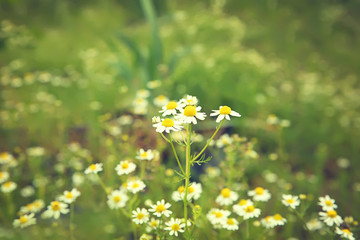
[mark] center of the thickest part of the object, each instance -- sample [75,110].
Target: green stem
[102,184]
[304,223]
[247,230]
[176,156]
[142,170]
[10,204]
[187,174]
[71,225]
[208,142]
[163,136]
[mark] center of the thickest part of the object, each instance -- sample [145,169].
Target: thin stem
[247,230]
[71,225]
[208,142]
[187,174]
[303,222]
[142,170]
[176,156]
[10,203]
[102,184]
[166,139]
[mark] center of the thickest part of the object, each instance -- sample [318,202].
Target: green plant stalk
[102,184]
[10,203]
[176,156]
[304,223]
[187,174]
[71,224]
[231,174]
[208,142]
[247,230]
[130,210]
[142,170]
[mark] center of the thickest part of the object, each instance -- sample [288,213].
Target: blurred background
[68,66]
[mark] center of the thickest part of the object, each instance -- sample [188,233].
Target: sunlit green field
[179,119]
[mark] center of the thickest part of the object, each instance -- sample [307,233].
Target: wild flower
[161,209]
[145,154]
[290,201]
[167,125]
[140,216]
[135,185]
[125,167]
[226,197]
[4,176]
[345,233]
[231,224]
[8,186]
[171,108]
[194,192]
[327,203]
[224,112]
[94,168]
[217,216]
[249,212]
[190,114]
[174,226]
[161,100]
[330,218]
[25,221]
[260,194]
[70,196]
[117,199]
[5,158]
[55,209]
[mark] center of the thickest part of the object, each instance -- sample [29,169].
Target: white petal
[235,114]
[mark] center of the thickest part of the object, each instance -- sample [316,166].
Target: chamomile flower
[224,140]
[4,176]
[174,226]
[153,223]
[161,100]
[145,155]
[189,100]
[117,199]
[24,221]
[8,186]
[161,208]
[5,158]
[167,125]
[135,186]
[327,203]
[243,203]
[70,196]
[171,108]
[279,220]
[142,93]
[156,119]
[94,168]
[140,216]
[125,167]
[55,209]
[345,233]
[224,112]
[260,194]
[194,192]
[330,218]
[217,216]
[190,113]
[268,222]
[146,237]
[290,201]
[231,224]
[314,224]
[226,197]
[249,212]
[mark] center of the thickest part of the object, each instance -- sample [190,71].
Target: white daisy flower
[194,192]
[153,223]
[142,93]
[260,194]
[135,186]
[290,201]
[35,151]
[161,100]
[117,199]
[249,212]
[171,108]
[145,236]
[4,176]
[8,186]
[25,221]
[272,119]
[268,222]
[189,100]
[243,203]
[226,197]
[279,220]
[34,207]
[231,224]
[125,167]
[327,203]
[345,233]
[167,125]
[190,113]
[70,196]
[94,168]
[314,224]
[330,218]
[145,155]
[156,119]
[5,158]
[27,191]
[174,226]
[224,112]
[140,216]
[217,216]
[224,140]
[161,208]
[55,209]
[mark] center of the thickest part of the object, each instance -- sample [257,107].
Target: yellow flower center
[191,189]
[140,216]
[23,219]
[230,221]
[125,165]
[7,184]
[181,189]
[175,227]
[69,195]
[135,185]
[249,209]
[190,111]
[290,200]
[160,208]
[347,231]
[92,167]
[268,218]
[116,199]
[225,192]
[144,154]
[167,122]
[328,203]
[218,214]
[332,214]
[153,224]
[259,190]
[29,206]
[161,97]
[4,155]
[171,105]
[1,174]
[242,202]
[278,217]
[55,206]
[225,110]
